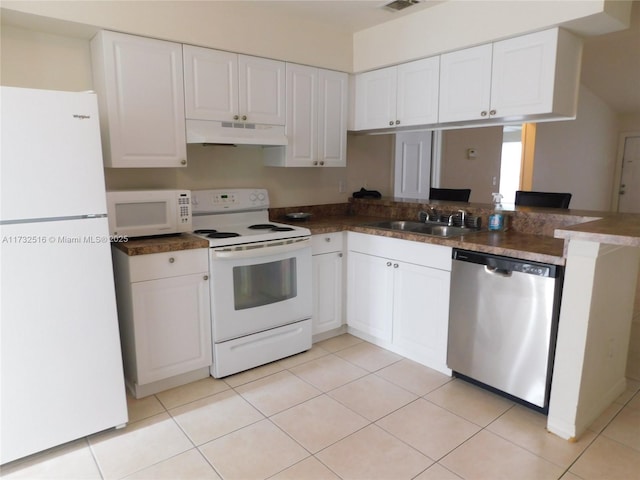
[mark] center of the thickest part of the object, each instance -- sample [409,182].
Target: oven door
[259,286]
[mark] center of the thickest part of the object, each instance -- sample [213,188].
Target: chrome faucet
[463,214]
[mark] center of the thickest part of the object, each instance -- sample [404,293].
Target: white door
[465,84]
[51,161]
[418,88]
[172,327]
[629,192]
[327,291]
[302,117]
[262,90]
[376,99]
[332,118]
[523,74]
[419,325]
[370,295]
[141,92]
[413,164]
[210,84]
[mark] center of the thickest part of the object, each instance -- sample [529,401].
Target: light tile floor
[344,409]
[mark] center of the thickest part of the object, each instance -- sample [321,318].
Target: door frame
[617,177]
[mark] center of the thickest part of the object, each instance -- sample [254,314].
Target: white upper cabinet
[534,77]
[316,121]
[140,92]
[332,118]
[403,95]
[211,84]
[228,87]
[262,90]
[465,84]
[417,96]
[376,99]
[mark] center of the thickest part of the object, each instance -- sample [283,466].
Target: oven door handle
[263,251]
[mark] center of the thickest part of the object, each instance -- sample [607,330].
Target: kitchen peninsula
[601,255]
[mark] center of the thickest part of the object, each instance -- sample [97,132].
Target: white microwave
[141,213]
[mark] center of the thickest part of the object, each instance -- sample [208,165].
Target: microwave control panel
[184,208]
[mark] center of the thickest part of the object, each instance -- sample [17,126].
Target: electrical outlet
[342,186]
[472,153]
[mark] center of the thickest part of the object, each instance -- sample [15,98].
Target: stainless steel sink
[436,230]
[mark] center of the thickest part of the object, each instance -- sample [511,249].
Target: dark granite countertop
[537,248]
[161,244]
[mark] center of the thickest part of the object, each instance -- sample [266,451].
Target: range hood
[234,133]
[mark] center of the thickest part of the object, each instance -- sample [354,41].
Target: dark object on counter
[543,199]
[367,194]
[297,215]
[451,194]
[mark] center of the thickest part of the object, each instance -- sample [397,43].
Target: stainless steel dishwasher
[503,319]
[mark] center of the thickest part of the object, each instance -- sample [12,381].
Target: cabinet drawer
[326,243]
[168,264]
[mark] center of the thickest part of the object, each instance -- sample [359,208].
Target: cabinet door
[412,164]
[370,295]
[465,84]
[210,84]
[261,90]
[376,99]
[172,326]
[140,86]
[421,314]
[332,118]
[327,291]
[418,89]
[523,74]
[302,115]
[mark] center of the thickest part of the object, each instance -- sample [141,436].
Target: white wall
[222,25]
[458,24]
[457,171]
[578,156]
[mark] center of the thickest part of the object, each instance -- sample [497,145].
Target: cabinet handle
[236,117]
[395,265]
[339,255]
[391,123]
[206,277]
[388,264]
[183,162]
[172,260]
[483,113]
[327,239]
[397,122]
[321,162]
[315,162]
[492,112]
[244,117]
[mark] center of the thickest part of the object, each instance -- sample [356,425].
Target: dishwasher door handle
[497,271]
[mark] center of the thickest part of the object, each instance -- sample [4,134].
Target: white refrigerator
[61,372]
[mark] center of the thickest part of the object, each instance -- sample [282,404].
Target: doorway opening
[516,163]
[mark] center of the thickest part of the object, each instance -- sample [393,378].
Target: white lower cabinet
[398,296]
[327,282]
[164,315]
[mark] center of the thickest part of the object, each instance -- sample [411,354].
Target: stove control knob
[261,197]
[253,197]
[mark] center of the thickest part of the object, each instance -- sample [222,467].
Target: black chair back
[452,194]
[543,199]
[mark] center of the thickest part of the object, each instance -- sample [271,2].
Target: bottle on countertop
[496,219]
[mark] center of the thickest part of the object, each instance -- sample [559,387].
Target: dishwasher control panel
[507,264]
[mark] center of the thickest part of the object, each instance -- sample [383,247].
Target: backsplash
[523,220]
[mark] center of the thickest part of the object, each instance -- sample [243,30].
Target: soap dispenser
[496,219]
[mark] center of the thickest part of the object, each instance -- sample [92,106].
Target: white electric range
[261,298]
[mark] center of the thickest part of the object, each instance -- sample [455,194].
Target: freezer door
[51,159]
[61,368]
